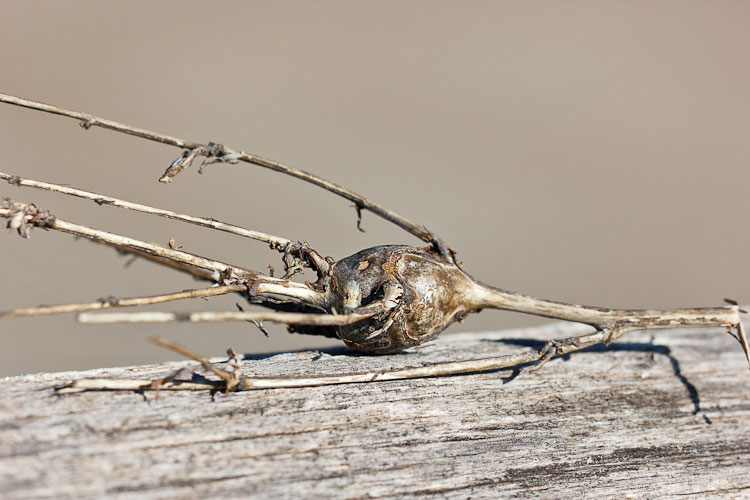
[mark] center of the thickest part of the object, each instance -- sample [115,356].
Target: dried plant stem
[224,316]
[434,370]
[615,322]
[222,153]
[220,271]
[118,241]
[296,256]
[274,241]
[113,302]
[230,379]
[195,272]
[612,321]
[620,320]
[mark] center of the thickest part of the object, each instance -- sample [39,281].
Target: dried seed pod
[423,293]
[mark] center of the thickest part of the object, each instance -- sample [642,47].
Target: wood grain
[650,417]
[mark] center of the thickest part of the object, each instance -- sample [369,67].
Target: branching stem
[223,316]
[274,241]
[31,215]
[118,241]
[113,302]
[225,154]
[255,383]
[622,320]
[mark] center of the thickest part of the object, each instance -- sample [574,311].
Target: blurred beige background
[592,152]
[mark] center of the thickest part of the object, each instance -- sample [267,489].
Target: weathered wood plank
[666,419]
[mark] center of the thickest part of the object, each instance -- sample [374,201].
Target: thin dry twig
[225,316]
[296,255]
[540,357]
[554,348]
[112,302]
[226,376]
[27,215]
[274,241]
[220,153]
[32,216]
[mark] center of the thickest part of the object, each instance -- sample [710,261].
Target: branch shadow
[321,351]
[648,347]
[644,347]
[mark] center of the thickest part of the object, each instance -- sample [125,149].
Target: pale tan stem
[486,297]
[124,384]
[195,272]
[123,302]
[224,316]
[288,318]
[190,354]
[151,248]
[274,241]
[88,121]
[629,319]
[360,201]
[552,349]
[256,383]
[616,321]
[220,270]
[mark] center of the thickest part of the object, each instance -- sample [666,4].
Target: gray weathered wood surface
[662,419]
